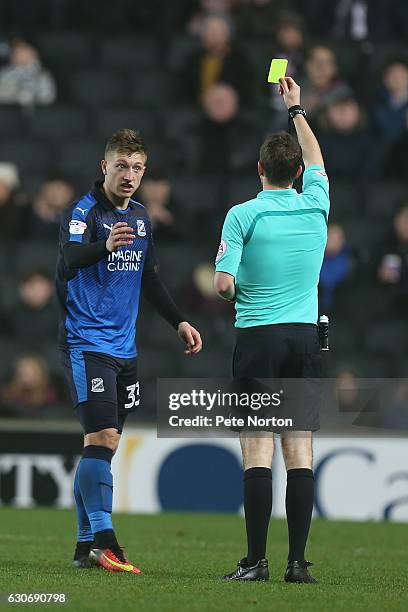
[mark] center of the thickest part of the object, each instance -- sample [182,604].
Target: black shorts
[287,355]
[104,389]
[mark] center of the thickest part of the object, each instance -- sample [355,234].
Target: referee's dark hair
[281,157]
[126,141]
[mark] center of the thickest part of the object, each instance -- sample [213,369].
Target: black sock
[258,508]
[299,507]
[106,539]
[82,549]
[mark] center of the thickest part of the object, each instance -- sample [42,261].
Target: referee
[269,262]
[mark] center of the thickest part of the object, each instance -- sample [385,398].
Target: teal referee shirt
[274,246]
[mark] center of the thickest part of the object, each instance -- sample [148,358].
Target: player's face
[123,173]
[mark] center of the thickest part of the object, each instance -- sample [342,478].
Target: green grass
[360,566]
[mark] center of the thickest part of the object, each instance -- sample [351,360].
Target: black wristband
[296,110]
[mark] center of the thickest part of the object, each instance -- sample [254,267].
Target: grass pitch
[360,566]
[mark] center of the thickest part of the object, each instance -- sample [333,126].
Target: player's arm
[228,257]
[312,155]
[83,254]
[157,295]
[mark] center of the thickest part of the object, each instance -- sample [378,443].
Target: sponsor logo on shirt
[108,227]
[222,249]
[97,385]
[141,230]
[77,227]
[125,260]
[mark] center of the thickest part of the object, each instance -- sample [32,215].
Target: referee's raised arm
[311,152]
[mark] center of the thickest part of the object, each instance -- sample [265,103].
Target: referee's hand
[121,235]
[290,91]
[191,337]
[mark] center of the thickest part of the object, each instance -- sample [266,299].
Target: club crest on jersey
[97,385]
[77,227]
[141,230]
[222,249]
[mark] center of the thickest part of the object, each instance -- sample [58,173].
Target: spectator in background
[391,107]
[198,295]
[337,265]
[218,60]
[290,43]
[224,140]
[24,81]
[34,320]
[167,222]
[206,8]
[258,18]
[393,265]
[322,84]
[54,196]
[30,389]
[348,147]
[11,211]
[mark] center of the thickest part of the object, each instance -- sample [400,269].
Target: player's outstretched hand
[191,337]
[290,91]
[121,235]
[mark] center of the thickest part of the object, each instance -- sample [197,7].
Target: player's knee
[106,437]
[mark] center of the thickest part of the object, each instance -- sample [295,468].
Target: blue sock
[96,486]
[84,531]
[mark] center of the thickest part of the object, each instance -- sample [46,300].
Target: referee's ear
[299,172]
[261,170]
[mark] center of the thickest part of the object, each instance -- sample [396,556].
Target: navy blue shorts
[288,355]
[104,389]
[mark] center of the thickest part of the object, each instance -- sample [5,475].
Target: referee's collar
[100,196]
[269,193]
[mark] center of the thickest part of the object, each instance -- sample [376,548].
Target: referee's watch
[296,110]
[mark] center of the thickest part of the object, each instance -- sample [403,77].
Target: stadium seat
[137,52]
[29,155]
[33,255]
[180,120]
[361,364]
[361,303]
[12,122]
[181,49]
[214,363]
[389,337]
[63,49]
[59,122]
[343,335]
[111,119]
[383,196]
[350,58]
[196,193]
[365,236]
[80,157]
[383,51]
[97,87]
[346,200]
[177,262]
[242,188]
[151,89]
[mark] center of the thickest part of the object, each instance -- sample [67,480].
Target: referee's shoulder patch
[222,249]
[322,173]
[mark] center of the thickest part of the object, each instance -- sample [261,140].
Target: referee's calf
[269,262]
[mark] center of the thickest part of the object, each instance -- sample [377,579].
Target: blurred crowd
[191,75]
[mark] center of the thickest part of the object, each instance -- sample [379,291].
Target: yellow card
[277,70]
